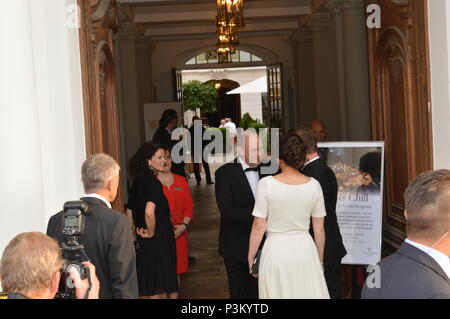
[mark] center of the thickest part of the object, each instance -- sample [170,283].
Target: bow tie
[252,169]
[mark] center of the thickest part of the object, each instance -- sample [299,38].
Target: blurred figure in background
[163,137]
[320,130]
[198,158]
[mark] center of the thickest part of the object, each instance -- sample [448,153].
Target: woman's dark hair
[292,150]
[371,163]
[138,166]
[167,117]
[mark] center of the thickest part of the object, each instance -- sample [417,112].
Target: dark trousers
[242,285]
[333,278]
[197,171]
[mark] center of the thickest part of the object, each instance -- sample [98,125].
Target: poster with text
[359,170]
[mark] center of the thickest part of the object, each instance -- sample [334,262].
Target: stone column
[337,20]
[325,74]
[356,69]
[133,123]
[145,47]
[301,43]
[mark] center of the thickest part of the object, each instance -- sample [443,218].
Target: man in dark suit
[235,194]
[420,269]
[334,247]
[197,146]
[108,241]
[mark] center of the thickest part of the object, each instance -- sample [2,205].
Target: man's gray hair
[427,203]
[97,171]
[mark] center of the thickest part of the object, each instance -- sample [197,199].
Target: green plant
[197,95]
[246,120]
[257,125]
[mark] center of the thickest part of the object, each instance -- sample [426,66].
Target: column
[41,114]
[301,43]
[356,70]
[132,119]
[325,73]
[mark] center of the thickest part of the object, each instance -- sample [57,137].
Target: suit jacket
[193,142]
[109,246]
[334,247]
[235,200]
[409,273]
[163,138]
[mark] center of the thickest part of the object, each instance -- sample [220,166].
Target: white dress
[290,266]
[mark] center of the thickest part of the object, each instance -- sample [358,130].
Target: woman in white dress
[291,265]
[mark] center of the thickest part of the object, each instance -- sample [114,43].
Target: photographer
[31,269]
[107,238]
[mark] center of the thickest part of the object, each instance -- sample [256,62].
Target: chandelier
[229,19]
[230,13]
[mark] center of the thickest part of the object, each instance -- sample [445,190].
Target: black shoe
[198,183]
[192,260]
[210,183]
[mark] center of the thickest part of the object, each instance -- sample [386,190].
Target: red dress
[181,206]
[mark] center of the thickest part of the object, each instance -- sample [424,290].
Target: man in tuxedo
[107,239]
[236,184]
[420,269]
[196,131]
[334,248]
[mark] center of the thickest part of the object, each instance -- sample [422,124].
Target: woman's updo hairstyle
[292,150]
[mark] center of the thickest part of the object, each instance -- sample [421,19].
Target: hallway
[207,277]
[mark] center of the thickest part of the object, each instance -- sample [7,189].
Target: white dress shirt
[95,195]
[252,176]
[440,258]
[309,162]
[231,127]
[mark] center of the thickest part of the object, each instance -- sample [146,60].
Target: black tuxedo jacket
[409,273]
[334,247]
[235,200]
[109,246]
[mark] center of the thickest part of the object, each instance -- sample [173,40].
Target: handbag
[255,266]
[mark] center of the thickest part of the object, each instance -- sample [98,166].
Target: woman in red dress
[177,192]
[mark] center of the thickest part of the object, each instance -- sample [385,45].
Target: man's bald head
[320,130]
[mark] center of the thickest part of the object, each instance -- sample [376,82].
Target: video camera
[73,253]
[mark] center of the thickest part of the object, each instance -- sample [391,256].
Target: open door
[400,95]
[275,96]
[101,109]
[178,84]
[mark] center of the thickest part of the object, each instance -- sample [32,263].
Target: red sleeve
[188,205]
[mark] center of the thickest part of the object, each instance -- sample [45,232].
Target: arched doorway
[228,105]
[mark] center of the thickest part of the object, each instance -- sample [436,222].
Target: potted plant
[197,95]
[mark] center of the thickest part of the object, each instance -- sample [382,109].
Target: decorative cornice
[336,6]
[131,30]
[299,36]
[144,43]
[99,8]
